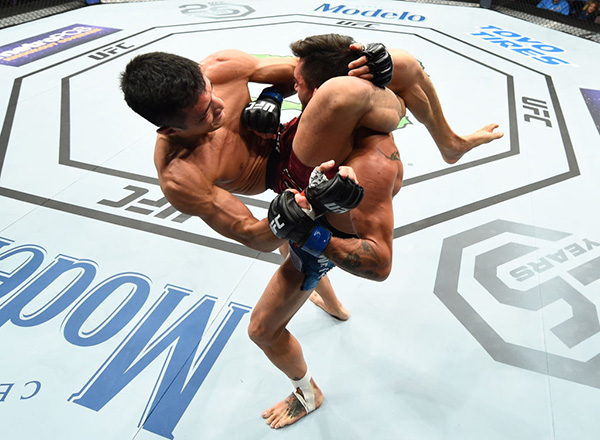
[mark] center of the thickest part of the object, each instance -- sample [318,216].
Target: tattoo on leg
[294,408]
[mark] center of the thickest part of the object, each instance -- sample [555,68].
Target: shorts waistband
[274,159]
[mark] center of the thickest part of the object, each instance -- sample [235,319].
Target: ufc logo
[266,106]
[276,225]
[334,207]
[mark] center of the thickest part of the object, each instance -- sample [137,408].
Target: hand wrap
[263,114]
[380,63]
[337,195]
[289,221]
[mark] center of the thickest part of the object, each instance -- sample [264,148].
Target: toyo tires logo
[507,283]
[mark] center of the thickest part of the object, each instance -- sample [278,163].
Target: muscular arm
[370,255]
[193,194]
[235,65]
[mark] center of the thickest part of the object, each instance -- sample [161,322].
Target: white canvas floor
[123,319]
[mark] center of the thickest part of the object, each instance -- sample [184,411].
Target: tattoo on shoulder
[395,156]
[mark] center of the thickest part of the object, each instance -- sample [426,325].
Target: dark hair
[324,57]
[160,86]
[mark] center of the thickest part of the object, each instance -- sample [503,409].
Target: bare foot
[290,410]
[482,136]
[337,311]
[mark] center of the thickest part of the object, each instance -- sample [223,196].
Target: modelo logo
[502,279]
[33,293]
[537,50]
[381,13]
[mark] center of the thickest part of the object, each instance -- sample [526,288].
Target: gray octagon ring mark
[152,213]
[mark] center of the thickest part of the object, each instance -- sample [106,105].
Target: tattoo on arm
[395,156]
[362,260]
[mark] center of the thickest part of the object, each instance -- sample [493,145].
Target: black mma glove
[338,195]
[289,221]
[263,114]
[380,63]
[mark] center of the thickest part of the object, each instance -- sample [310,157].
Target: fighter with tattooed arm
[360,240]
[204,154]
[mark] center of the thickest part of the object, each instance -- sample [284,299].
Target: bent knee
[259,333]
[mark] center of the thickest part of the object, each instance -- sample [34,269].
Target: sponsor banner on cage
[33,48]
[523,45]
[592,100]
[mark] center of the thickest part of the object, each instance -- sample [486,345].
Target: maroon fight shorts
[284,169]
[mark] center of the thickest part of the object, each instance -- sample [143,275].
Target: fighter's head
[321,57]
[162,87]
